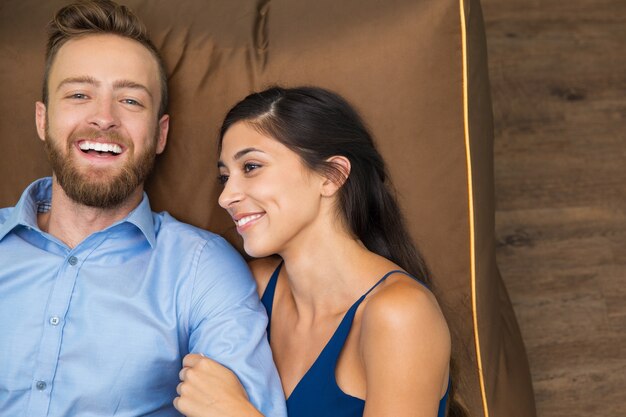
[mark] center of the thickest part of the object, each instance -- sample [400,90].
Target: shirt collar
[141,217]
[39,194]
[25,211]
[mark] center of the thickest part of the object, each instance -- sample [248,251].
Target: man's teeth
[100,147]
[247,219]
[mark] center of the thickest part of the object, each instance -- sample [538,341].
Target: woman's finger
[191,359]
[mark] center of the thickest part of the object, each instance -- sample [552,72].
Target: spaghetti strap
[268,296]
[381,280]
[317,393]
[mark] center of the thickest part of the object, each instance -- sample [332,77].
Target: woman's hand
[208,389]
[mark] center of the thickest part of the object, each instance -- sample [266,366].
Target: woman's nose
[231,194]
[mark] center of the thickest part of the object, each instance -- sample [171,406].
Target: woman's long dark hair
[318,124]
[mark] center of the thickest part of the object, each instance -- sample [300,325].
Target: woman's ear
[338,177]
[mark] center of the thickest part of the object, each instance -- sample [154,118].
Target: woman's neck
[325,276]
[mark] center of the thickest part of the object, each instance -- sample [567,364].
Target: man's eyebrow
[131,84]
[78,80]
[239,155]
[116,85]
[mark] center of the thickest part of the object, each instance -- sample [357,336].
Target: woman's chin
[256,251]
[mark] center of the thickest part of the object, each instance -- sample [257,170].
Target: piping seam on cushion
[470,193]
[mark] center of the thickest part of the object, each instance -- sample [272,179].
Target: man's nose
[105,114]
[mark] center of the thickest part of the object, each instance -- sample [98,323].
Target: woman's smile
[246,221]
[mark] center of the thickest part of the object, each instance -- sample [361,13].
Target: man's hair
[96,17]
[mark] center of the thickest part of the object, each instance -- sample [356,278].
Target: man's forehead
[105,57]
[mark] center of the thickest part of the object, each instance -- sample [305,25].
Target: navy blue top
[317,394]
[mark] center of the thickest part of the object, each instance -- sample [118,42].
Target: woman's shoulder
[404,336]
[262,270]
[404,344]
[401,304]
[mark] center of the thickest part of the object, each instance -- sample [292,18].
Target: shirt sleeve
[228,324]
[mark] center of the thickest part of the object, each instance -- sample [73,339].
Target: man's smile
[100,149]
[87,146]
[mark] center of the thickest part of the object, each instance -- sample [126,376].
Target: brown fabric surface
[399,61]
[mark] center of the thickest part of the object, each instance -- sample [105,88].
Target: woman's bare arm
[405,347]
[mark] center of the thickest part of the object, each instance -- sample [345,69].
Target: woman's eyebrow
[245,151]
[239,155]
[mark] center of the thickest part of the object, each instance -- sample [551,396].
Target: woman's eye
[250,166]
[222,179]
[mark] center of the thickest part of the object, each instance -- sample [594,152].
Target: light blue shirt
[101,329]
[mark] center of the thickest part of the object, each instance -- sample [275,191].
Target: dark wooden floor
[558,76]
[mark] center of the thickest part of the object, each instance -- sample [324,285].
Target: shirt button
[54,320]
[73,260]
[41,385]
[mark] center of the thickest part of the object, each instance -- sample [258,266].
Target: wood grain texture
[558,78]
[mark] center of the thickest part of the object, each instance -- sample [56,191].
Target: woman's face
[272,197]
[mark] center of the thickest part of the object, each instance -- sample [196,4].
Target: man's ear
[335,181]
[163,128]
[40,119]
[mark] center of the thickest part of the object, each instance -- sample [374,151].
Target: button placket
[48,357]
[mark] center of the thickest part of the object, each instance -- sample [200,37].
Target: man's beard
[98,189]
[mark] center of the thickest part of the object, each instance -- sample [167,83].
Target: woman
[353,328]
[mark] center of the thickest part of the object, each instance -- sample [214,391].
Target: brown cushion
[417,72]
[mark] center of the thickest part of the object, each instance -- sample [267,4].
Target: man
[101,297]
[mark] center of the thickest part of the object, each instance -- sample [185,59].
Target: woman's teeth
[247,219]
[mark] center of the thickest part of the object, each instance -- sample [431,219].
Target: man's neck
[72,222]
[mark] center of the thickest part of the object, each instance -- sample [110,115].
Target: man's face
[100,126]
